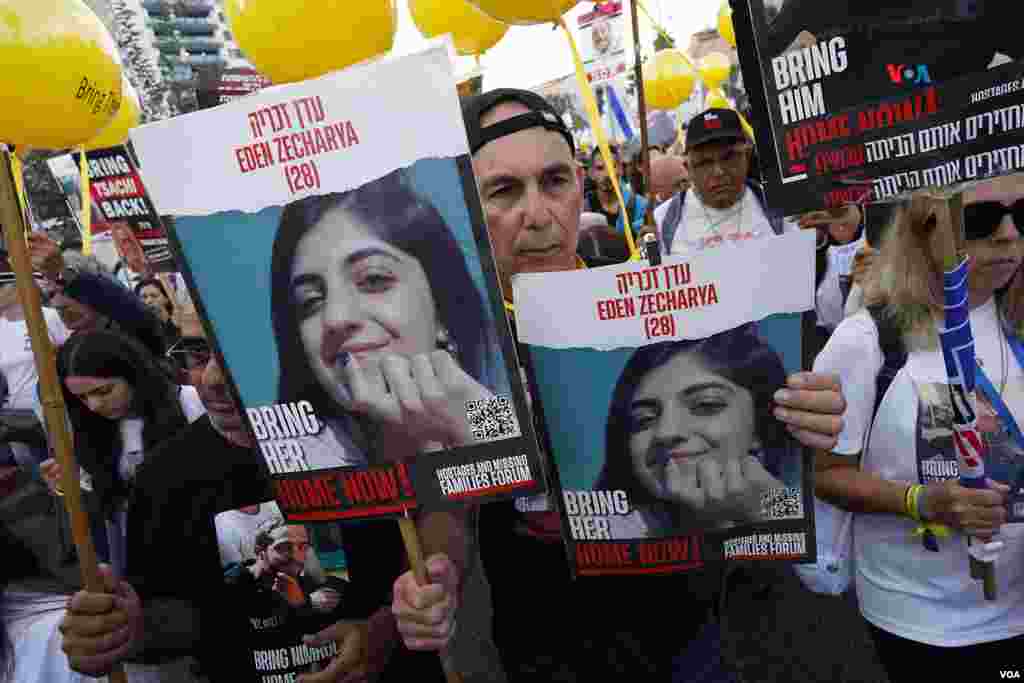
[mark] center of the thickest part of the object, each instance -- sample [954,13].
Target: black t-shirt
[173,552]
[548,626]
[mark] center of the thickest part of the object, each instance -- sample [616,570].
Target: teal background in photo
[576,389]
[229,256]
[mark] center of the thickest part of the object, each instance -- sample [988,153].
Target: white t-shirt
[830,298]
[702,226]
[17,363]
[132,455]
[854,301]
[131,432]
[902,587]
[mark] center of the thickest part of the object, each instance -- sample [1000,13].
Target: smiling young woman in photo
[379,324]
[691,437]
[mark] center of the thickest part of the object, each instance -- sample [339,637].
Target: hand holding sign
[352,662]
[101,629]
[978,512]
[426,614]
[46,255]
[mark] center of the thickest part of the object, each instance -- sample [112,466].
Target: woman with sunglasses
[895,465]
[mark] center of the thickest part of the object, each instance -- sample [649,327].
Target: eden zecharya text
[278,427]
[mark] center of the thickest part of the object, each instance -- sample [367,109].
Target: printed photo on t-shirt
[290,580]
[936,451]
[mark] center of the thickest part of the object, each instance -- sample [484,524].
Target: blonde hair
[906,280]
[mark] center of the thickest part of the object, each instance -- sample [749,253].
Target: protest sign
[655,385]
[603,42]
[342,261]
[121,209]
[864,101]
[288,580]
[228,85]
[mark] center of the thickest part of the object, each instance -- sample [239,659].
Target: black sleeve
[375,557]
[157,535]
[119,304]
[805,15]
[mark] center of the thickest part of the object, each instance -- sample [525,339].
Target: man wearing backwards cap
[547,626]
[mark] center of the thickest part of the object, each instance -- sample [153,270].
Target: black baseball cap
[541,114]
[713,125]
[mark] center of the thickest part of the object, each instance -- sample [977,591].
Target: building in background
[168,46]
[190,35]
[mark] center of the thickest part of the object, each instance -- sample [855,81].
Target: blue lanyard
[993,396]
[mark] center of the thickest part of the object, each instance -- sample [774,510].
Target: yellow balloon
[668,79]
[294,40]
[60,83]
[714,69]
[127,117]
[525,11]
[473,31]
[725,27]
[716,100]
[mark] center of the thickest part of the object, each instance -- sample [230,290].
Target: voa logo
[1010,675]
[908,74]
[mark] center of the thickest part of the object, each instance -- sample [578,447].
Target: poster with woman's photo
[340,257]
[656,386]
[287,580]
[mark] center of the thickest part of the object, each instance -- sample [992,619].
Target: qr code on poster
[783,503]
[492,418]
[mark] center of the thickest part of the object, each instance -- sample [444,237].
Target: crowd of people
[164,449]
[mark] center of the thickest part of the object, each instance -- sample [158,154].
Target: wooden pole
[645,153]
[49,385]
[414,551]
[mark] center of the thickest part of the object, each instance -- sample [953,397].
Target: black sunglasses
[192,353]
[982,219]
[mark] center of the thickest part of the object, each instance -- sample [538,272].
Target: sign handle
[414,551]
[49,385]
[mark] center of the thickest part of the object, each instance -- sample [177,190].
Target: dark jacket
[126,313]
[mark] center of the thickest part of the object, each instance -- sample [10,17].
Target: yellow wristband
[913,502]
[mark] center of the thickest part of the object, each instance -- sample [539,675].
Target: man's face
[668,176]
[599,172]
[718,172]
[75,315]
[213,389]
[287,552]
[532,198]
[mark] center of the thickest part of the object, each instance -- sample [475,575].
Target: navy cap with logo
[714,125]
[541,113]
